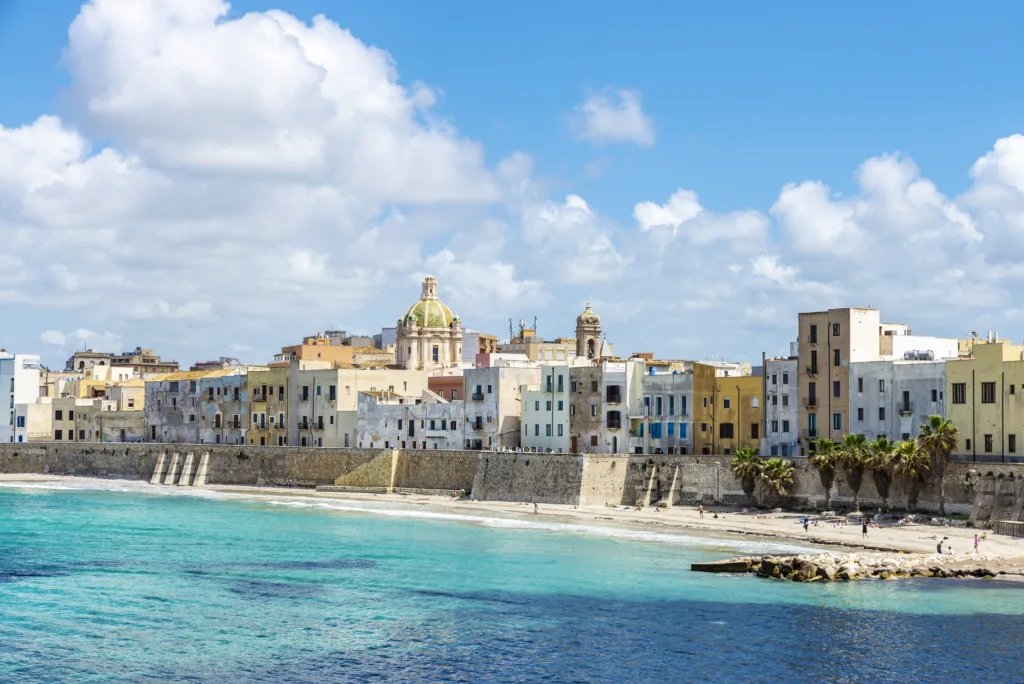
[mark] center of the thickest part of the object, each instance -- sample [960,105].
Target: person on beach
[535,508]
[975,543]
[864,529]
[700,509]
[938,547]
[807,525]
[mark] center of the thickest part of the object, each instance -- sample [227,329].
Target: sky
[210,179]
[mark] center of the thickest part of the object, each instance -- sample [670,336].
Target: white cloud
[683,215]
[613,116]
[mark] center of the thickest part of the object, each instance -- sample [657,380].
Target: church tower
[588,335]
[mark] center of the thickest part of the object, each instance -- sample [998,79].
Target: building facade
[494,405]
[429,335]
[588,335]
[586,408]
[268,406]
[782,408]
[664,425]
[19,384]
[622,386]
[985,401]
[893,399]
[390,421]
[546,411]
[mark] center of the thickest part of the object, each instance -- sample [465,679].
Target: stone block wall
[543,478]
[436,469]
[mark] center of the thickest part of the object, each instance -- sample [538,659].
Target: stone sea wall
[544,478]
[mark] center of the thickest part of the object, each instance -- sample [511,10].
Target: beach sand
[731,523]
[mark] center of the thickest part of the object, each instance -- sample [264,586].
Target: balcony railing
[809,434]
[614,425]
[906,409]
[812,370]
[810,402]
[477,396]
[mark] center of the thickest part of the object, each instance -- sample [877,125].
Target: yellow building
[321,347]
[984,399]
[268,406]
[727,408]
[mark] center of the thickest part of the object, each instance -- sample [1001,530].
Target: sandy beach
[730,523]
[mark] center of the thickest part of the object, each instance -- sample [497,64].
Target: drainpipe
[974,426]
[828,362]
[1002,417]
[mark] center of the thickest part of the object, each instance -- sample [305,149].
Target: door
[575,448]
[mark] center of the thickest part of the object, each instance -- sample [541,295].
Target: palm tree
[746,467]
[825,459]
[777,476]
[881,455]
[912,467]
[938,439]
[853,452]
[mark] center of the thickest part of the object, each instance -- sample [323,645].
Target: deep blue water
[148,586]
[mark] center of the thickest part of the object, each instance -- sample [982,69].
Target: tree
[777,476]
[746,467]
[911,467]
[881,455]
[938,439]
[853,452]
[825,459]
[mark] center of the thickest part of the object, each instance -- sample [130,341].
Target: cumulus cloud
[613,116]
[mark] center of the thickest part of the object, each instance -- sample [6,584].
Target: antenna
[511,330]
[535,324]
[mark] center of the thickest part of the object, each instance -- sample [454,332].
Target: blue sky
[744,98]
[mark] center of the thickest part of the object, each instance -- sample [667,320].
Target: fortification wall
[545,478]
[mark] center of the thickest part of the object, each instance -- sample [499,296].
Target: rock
[827,572]
[735,565]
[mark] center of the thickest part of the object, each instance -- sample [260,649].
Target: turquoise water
[154,586]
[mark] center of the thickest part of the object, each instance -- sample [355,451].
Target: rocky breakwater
[831,567]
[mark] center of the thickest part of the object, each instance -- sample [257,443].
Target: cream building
[985,400]
[392,421]
[429,335]
[546,411]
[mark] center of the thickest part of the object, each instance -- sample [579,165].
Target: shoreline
[731,525]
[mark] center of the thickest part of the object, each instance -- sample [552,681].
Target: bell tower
[588,335]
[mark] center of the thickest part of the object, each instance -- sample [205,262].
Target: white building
[782,410]
[893,398]
[546,411]
[666,424]
[494,404]
[19,384]
[323,401]
[429,335]
[391,421]
[173,407]
[623,386]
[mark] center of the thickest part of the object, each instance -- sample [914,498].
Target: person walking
[864,529]
[807,524]
[975,543]
[700,509]
[535,508]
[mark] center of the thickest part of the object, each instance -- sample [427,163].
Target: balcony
[810,402]
[809,434]
[477,396]
[906,409]
[812,370]
[614,425]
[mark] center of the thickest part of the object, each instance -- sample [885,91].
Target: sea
[124,582]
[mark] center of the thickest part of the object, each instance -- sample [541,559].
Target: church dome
[588,317]
[430,311]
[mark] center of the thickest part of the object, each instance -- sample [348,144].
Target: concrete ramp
[158,471]
[172,470]
[985,499]
[375,474]
[1005,498]
[186,471]
[204,465]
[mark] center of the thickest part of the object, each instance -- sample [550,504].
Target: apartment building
[173,408]
[19,384]
[268,406]
[586,409]
[622,385]
[893,398]
[663,424]
[389,421]
[782,407]
[546,411]
[985,400]
[494,404]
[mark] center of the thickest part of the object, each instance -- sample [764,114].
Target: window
[58,435]
[572,410]
[905,437]
[305,393]
[1013,390]
[753,402]
[280,419]
[655,430]
[434,354]
[785,426]
[860,384]
[71,415]
[332,393]
[593,440]
[318,388]
[131,403]
[725,430]
[775,426]
[775,379]
[559,429]
[988,444]
[935,394]
[835,330]
[860,413]
[988,393]
[593,386]
[547,430]
[775,400]
[58,415]
[614,420]
[881,385]
[280,392]
[703,427]
[835,388]
[682,431]
[959,392]
[1011,443]
[488,389]
[837,421]
[785,378]
[968,444]
[726,402]
[835,358]
[452,427]
[21,421]
[881,413]
[814,335]
[560,379]
[785,400]
[755,430]
[671,406]
[561,405]
[536,406]
[255,417]
[455,394]
[593,411]
[81,434]
[814,362]
[682,406]
[704,402]
[536,430]
[547,405]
